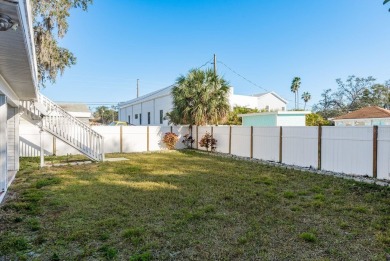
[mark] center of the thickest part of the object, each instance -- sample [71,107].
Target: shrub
[170,139]
[188,140]
[208,141]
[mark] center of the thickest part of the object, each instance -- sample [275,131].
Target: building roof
[273,93]
[366,112]
[143,97]
[74,107]
[17,53]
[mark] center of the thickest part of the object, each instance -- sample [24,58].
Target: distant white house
[367,116]
[150,109]
[78,110]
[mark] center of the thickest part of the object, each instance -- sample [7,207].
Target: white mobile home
[18,81]
[150,109]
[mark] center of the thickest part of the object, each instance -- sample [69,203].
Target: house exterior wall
[153,105]
[256,120]
[243,101]
[13,138]
[273,103]
[363,122]
[274,119]
[3,143]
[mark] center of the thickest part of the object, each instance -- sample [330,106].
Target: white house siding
[271,102]
[152,105]
[291,120]
[243,101]
[13,138]
[3,143]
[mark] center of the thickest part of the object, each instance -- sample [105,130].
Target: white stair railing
[64,126]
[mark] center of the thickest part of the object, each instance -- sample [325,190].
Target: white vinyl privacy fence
[351,150]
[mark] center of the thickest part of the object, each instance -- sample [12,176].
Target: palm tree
[199,98]
[306,96]
[385,2]
[296,83]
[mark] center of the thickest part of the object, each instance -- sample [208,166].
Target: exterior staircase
[56,121]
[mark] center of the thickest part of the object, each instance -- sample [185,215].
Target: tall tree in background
[105,114]
[325,107]
[350,95]
[296,83]
[353,94]
[50,24]
[306,96]
[199,98]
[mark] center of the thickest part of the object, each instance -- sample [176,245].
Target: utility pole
[215,64]
[137,88]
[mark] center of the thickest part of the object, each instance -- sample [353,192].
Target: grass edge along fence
[363,151]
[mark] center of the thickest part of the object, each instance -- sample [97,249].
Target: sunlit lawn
[190,206]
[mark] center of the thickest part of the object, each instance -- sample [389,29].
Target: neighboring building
[367,116]
[18,81]
[276,118]
[150,109]
[268,101]
[80,111]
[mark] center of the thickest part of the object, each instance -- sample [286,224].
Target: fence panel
[30,141]
[384,152]
[266,143]
[221,134]
[111,140]
[134,138]
[347,150]
[64,149]
[241,141]
[156,134]
[300,146]
[180,131]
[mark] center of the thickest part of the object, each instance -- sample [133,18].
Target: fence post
[54,146]
[196,141]
[375,152]
[280,144]
[121,140]
[251,152]
[230,139]
[147,138]
[319,147]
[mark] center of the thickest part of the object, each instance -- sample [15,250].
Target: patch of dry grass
[186,205]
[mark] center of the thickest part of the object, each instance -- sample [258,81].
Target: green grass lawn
[190,206]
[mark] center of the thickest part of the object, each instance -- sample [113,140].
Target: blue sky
[268,42]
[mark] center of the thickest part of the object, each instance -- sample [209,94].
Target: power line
[209,61]
[246,79]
